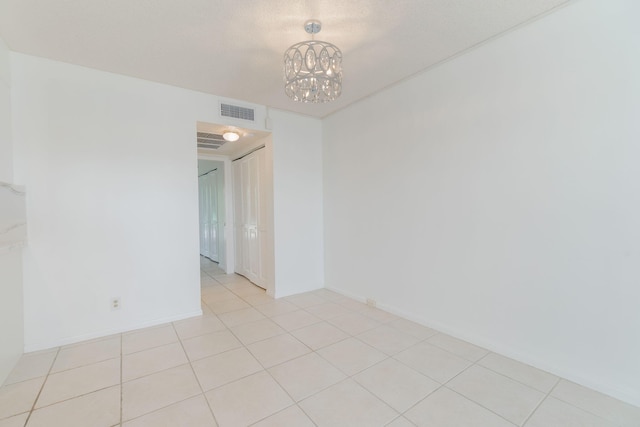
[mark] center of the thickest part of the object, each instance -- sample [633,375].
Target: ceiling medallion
[313,69]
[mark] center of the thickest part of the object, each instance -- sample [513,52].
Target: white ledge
[17,189]
[6,247]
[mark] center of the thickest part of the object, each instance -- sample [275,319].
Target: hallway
[311,359]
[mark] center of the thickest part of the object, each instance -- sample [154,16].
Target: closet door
[208,203]
[253,210]
[249,195]
[204,213]
[238,200]
[212,215]
[201,215]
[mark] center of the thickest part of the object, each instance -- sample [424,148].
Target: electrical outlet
[371,302]
[115,303]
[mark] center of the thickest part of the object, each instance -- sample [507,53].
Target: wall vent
[237,112]
[210,140]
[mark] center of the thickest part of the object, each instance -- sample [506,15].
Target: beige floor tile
[510,399]
[222,307]
[15,421]
[276,350]
[257,331]
[555,413]
[379,315]
[197,326]
[219,296]
[239,317]
[319,335]
[193,412]
[208,281]
[144,339]
[32,365]
[258,299]
[224,368]
[388,340]
[305,300]
[76,382]
[351,355]
[354,323]
[445,408]
[306,375]
[150,361]
[458,347]
[19,397]
[599,404]
[276,307]
[97,409]
[207,345]
[433,361]
[412,328]
[226,279]
[147,394]
[213,289]
[295,320]
[347,404]
[81,354]
[248,400]
[292,416]
[206,311]
[401,422]
[245,289]
[352,304]
[528,375]
[397,385]
[327,294]
[328,310]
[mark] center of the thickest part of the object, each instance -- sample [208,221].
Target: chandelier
[313,69]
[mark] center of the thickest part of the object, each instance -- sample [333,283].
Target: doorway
[235,188]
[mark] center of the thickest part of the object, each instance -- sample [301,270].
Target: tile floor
[316,359]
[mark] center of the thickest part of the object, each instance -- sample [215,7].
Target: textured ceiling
[234,48]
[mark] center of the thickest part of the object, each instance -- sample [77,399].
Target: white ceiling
[234,48]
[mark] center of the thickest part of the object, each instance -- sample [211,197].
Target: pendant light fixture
[313,69]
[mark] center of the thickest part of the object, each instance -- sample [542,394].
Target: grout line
[42,387]
[560,379]
[518,381]
[282,410]
[543,400]
[195,376]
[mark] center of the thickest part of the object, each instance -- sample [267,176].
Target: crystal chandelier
[313,69]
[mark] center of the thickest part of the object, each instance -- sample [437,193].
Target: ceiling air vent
[237,112]
[210,140]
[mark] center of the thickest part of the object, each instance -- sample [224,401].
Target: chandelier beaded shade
[313,69]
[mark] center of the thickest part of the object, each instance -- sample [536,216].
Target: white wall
[11,216]
[111,167]
[497,196]
[297,196]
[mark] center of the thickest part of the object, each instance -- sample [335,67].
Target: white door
[249,203]
[209,231]
[212,216]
